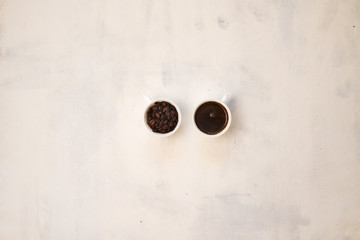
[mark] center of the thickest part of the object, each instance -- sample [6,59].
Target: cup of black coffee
[213,118]
[162,117]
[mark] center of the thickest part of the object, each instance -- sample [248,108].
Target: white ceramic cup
[150,104]
[221,102]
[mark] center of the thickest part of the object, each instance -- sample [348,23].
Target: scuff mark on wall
[223,22]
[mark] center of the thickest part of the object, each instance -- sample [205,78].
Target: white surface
[77,163]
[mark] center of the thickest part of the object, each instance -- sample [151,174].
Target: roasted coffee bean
[162,117]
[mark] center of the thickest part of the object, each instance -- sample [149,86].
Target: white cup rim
[177,125]
[227,125]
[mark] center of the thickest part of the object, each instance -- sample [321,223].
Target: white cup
[150,104]
[222,103]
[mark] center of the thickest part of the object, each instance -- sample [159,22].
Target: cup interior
[216,120]
[162,134]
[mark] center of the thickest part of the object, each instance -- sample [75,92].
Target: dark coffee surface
[162,117]
[211,117]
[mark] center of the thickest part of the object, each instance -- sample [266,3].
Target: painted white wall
[77,163]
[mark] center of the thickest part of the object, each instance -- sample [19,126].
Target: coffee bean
[162,117]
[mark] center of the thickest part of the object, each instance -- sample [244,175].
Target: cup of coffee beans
[162,117]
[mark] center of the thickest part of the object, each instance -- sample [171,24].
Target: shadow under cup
[212,118]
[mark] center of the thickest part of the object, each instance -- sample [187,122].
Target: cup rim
[177,125]
[227,125]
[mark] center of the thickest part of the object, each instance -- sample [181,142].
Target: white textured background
[77,163]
